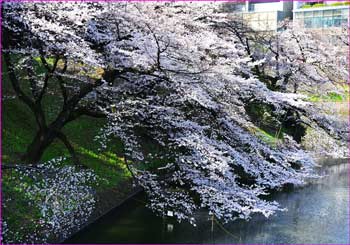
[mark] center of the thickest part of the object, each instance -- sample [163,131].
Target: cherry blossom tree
[192,118]
[308,58]
[174,87]
[292,56]
[41,44]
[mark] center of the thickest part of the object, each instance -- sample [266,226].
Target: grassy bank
[18,130]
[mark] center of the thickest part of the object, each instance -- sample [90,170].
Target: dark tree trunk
[42,140]
[37,147]
[48,133]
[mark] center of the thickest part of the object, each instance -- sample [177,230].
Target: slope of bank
[113,181]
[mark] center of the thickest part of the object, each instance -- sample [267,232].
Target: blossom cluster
[61,193]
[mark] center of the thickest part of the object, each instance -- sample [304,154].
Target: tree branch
[61,83]
[15,83]
[84,111]
[17,166]
[65,115]
[33,84]
[48,75]
[69,146]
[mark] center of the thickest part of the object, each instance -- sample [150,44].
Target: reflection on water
[317,213]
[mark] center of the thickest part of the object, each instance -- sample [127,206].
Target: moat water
[317,213]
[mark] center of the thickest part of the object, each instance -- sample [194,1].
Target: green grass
[19,128]
[18,131]
[20,212]
[329,97]
[268,138]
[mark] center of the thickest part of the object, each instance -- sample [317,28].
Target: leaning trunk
[38,146]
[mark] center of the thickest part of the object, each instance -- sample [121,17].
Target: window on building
[317,22]
[317,13]
[299,15]
[345,11]
[327,12]
[308,23]
[337,22]
[308,14]
[327,22]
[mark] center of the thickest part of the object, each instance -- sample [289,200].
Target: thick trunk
[42,141]
[47,133]
[38,146]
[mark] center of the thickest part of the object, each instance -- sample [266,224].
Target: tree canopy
[177,88]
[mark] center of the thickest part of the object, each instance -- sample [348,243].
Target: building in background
[265,16]
[322,14]
[261,16]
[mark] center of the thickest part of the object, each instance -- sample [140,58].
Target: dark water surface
[317,213]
